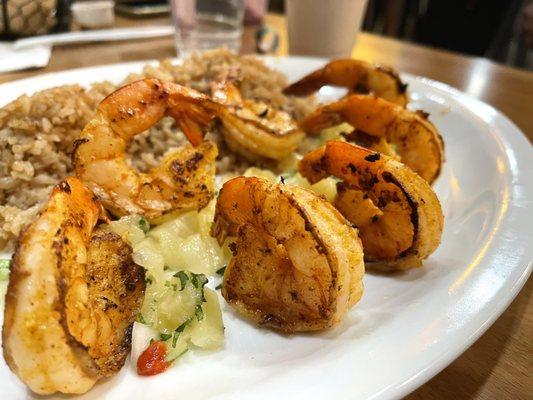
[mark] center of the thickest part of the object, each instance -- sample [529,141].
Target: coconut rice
[37,132]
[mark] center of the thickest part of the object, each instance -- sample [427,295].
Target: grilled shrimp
[297,264]
[252,128]
[73,295]
[416,140]
[185,177]
[399,217]
[358,77]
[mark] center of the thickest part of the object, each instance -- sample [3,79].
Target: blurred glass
[19,18]
[254,11]
[324,28]
[207,24]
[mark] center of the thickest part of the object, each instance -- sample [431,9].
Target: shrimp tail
[185,177]
[253,128]
[416,140]
[355,75]
[309,84]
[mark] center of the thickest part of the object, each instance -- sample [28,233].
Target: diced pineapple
[326,187]
[335,132]
[129,228]
[170,302]
[177,345]
[148,255]
[182,226]
[181,312]
[205,219]
[3,290]
[289,164]
[198,254]
[176,254]
[261,173]
[169,244]
[208,333]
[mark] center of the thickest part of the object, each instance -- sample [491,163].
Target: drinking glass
[207,24]
[324,28]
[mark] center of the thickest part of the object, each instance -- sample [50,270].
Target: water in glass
[207,24]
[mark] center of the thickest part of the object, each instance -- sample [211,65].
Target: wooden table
[499,364]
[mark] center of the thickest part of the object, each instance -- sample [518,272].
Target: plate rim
[513,138]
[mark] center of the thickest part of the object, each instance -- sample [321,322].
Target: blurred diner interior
[500,30]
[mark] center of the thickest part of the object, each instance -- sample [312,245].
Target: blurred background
[501,30]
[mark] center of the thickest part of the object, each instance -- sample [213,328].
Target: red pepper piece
[152,360]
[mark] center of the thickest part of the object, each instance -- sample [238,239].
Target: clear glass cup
[207,24]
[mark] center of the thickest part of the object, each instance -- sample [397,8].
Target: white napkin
[34,52]
[12,59]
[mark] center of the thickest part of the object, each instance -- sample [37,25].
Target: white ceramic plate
[408,326]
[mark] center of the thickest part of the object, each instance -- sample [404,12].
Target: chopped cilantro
[199,312]
[165,336]
[182,277]
[182,327]
[198,280]
[141,319]
[148,280]
[221,270]
[218,287]
[194,280]
[5,264]
[179,355]
[144,224]
[177,332]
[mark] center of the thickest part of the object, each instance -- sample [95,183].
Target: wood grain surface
[500,364]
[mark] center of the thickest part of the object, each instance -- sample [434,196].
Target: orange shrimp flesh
[398,215]
[297,264]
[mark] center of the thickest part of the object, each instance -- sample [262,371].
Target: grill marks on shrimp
[73,294]
[185,177]
[398,215]
[400,133]
[297,265]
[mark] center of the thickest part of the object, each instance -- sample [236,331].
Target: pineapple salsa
[179,311]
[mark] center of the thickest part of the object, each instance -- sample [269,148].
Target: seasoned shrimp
[73,295]
[252,128]
[358,77]
[378,144]
[416,140]
[297,265]
[399,217]
[185,177]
